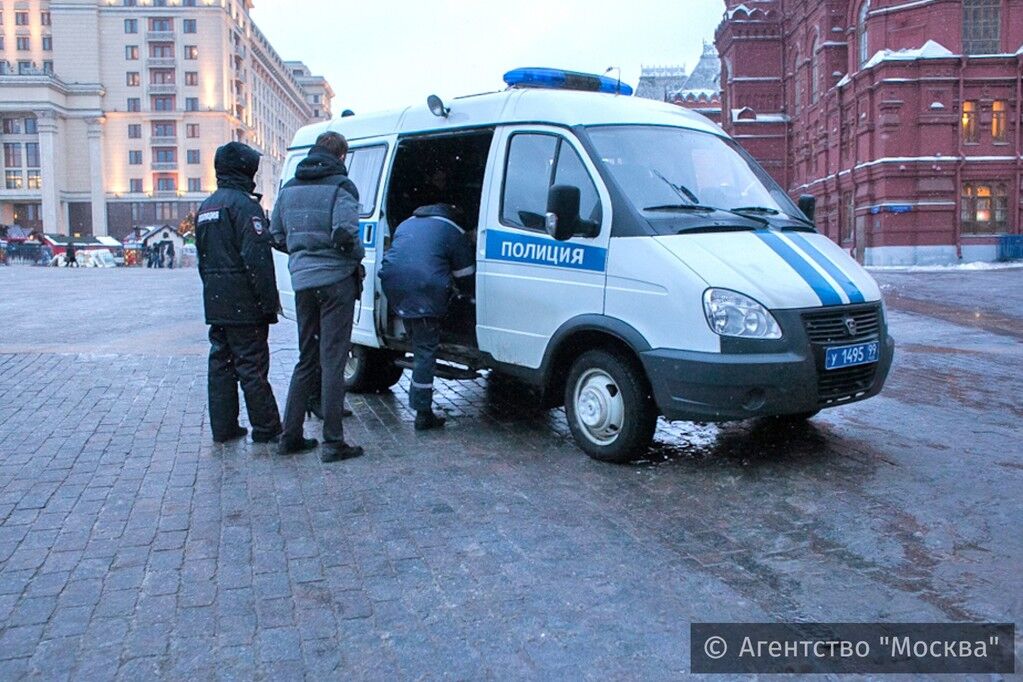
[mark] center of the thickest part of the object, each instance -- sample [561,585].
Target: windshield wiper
[806,227]
[701,207]
[681,190]
[716,228]
[755,209]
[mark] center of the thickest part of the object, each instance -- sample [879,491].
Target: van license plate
[850,356]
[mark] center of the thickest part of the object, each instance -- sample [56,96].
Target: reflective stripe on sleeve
[464,272]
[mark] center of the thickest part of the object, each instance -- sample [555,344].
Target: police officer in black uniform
[430,253]
[240,297]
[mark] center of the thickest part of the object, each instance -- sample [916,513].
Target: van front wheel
[608,405]
[370,370]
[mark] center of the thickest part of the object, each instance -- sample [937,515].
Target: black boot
[426,420]
[338,452]
[291,447]
[314,409]
[239,432]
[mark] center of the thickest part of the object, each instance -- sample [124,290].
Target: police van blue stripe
[825,292]
[848,286]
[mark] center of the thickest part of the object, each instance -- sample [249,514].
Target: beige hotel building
[112,110]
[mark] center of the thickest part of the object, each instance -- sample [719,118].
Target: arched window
[982,26]
[797,82]
[861,32]
[815,72]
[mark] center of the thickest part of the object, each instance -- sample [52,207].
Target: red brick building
[903,117]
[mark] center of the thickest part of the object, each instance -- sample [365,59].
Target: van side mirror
[562,211]
[808,205]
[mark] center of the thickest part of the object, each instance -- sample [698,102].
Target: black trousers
[425,333]
[241,354]
[324,339]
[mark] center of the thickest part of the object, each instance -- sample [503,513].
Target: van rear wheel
[608,405]
[370,370]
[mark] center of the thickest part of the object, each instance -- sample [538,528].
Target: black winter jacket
[234,245]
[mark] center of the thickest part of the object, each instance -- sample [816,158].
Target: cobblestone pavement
[131,546]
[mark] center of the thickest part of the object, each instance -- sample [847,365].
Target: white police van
[632,261]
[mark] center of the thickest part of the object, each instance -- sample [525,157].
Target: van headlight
[730,313]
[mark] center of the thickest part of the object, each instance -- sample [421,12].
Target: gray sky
[384,54]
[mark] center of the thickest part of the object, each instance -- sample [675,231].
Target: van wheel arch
[577,336]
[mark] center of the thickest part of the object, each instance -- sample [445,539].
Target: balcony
[157,62]
[161,36]
[239,51]
[163,89]
[164,140]
[165,165]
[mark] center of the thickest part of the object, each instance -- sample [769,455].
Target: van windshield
[662,169]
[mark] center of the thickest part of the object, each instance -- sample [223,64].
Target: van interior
[430,169]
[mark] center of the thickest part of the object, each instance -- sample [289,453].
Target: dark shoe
[313,409]
[426,420]
[264,437]
[291,447]
[336,453]
[239,432]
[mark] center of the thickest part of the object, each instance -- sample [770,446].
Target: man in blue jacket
[316,220]
[236,265]
[430,252]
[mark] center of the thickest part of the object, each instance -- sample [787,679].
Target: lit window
[984,208]
[969,121]
[982,23]
[131,52]
[999,120]
[191,52]
[133,78]
[34,180]
[12,179]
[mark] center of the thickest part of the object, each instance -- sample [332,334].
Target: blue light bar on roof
[559,79]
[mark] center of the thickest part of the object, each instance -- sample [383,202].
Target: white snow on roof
[845,80]
[731,12]
[929,50]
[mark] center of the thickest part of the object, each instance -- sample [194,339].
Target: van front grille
[837,385]
[848,324]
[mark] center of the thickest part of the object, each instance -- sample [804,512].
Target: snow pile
[930,50]
[954,267]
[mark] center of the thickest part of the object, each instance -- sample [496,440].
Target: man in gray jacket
[316,220]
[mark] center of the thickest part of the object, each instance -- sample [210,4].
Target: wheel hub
[599,407]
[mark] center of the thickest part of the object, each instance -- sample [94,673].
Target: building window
[134,131]
[191,104]
[12,154]
[815,73]
[195,184]
[161,50]
[24,68]
[48,67]
[131,52]
[44,18]
[984,207]
[34,180]
[22,43]
[999,120]
[12,179]
[162,103]
[192,130]
[133,78]
[135,157]
[31,125]
[165,129]
[191,52]
[188,3]
[188,26]
[130,3]
[12,126]
[135,185]
[982,23]
[161,76]
[134,104]
[21,18]
[131,25]
[862,37]
[32,154]
[191,78]
[797,83]
[969,121]
[47,43]
[165,154]
[161,24]
[193,155]
[166,183]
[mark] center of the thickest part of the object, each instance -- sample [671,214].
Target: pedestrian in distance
[170,255]
[70,257]
[429,257]
[239,297]
[316,221]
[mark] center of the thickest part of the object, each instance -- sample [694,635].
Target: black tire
[370,370]
[609,407]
